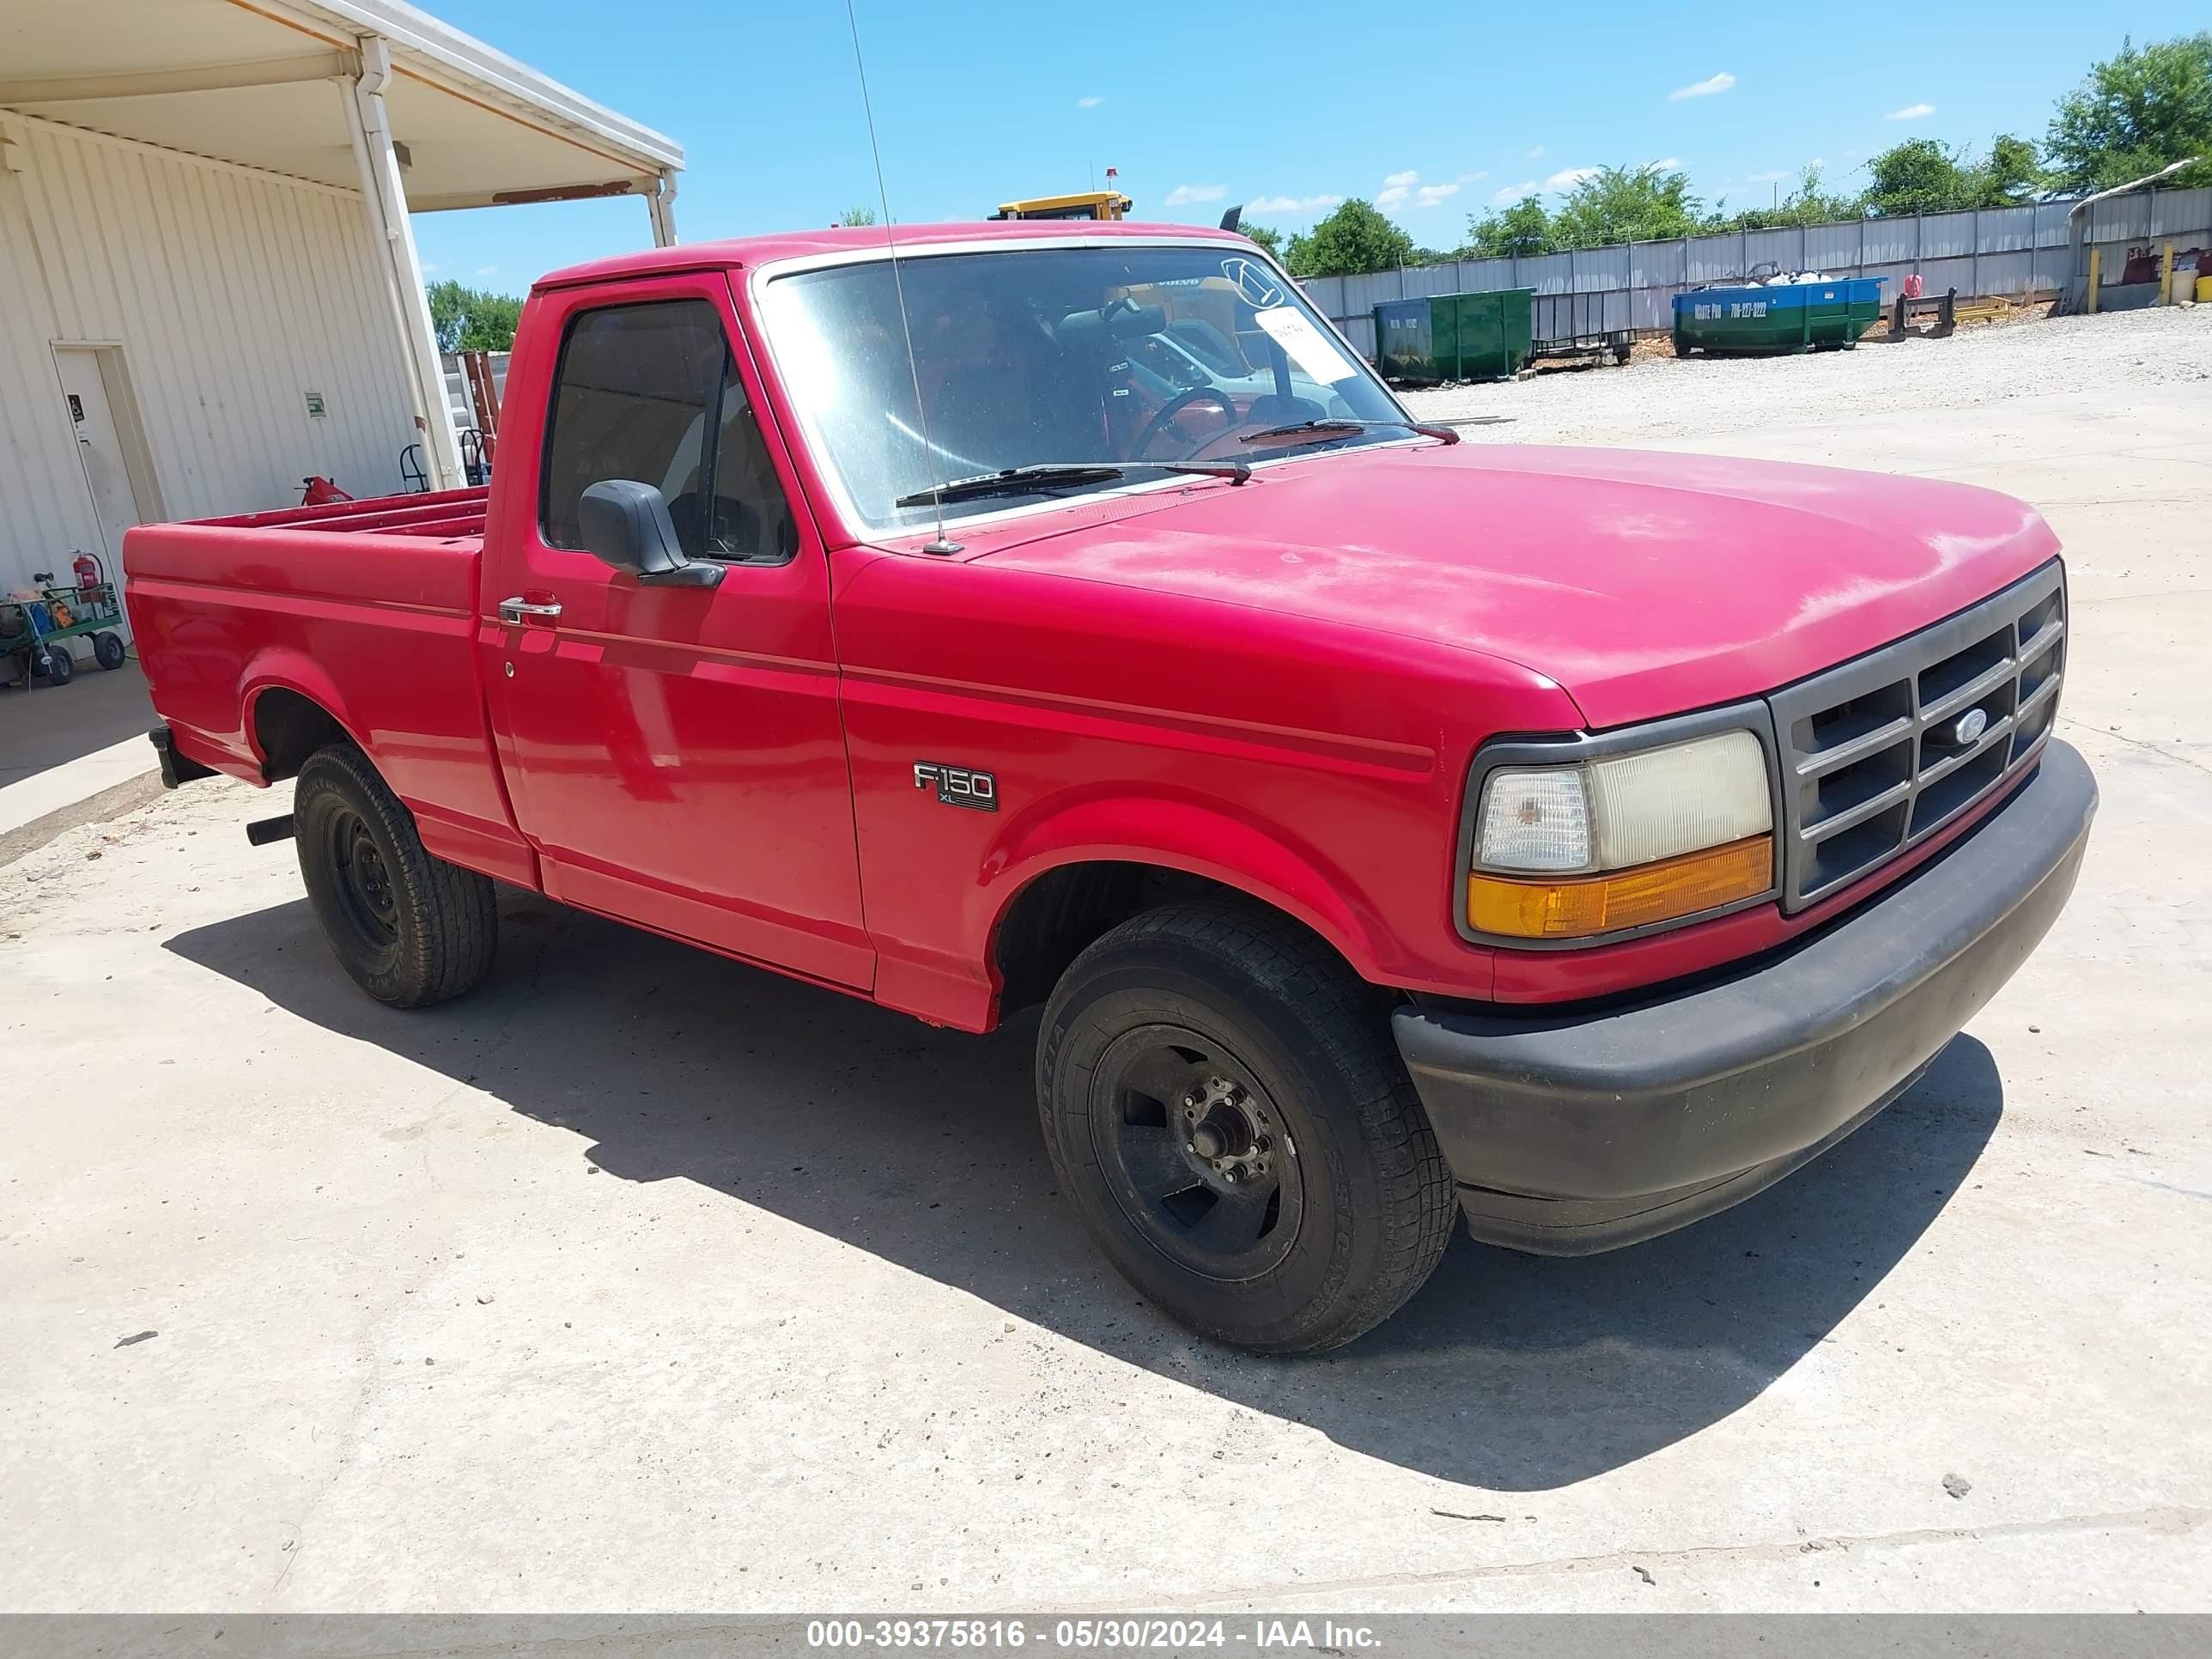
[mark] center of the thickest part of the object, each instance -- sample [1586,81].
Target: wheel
[61,667]
[1222,1104]
[410,928]
[107,650]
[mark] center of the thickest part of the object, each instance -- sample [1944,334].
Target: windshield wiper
[1344,423]
[1013,481]
[1057,474]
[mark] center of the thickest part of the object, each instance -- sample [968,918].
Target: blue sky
[1434,112]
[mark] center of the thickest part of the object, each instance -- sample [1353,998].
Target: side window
[748,517]
[639,391]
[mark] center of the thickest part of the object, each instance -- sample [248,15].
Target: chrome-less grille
[1874,756]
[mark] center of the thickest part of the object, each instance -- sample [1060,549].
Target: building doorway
[111,444]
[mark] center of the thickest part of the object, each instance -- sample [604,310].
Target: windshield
[1128,357]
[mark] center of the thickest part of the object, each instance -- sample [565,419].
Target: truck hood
[1645,583]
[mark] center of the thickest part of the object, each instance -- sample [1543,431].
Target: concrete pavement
[643,1280]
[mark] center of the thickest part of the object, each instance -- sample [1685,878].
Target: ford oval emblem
[1971,725]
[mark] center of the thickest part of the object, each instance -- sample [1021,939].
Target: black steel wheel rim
[1196,1153]
[364,891]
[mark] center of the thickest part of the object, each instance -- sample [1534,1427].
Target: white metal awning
[365,95]
[249,82]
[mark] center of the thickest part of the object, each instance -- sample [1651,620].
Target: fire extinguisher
[90,573]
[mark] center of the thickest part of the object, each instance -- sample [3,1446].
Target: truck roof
[753,251]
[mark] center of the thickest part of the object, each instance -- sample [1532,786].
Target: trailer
[1594,324]
[34,625]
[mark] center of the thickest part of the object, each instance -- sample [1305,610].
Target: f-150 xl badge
[957,786]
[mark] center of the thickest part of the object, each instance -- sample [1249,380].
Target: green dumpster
[1776,317]
[1456,337]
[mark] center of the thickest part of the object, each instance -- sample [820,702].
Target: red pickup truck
[1391,828]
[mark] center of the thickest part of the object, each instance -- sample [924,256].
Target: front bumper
[1569,1133]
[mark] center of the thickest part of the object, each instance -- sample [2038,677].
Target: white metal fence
[2016,252]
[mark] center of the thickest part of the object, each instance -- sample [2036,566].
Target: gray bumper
[1574,1132]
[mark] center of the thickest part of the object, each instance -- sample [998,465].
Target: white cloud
[1664,164]
[1408,176]
[1910,112]
[428,268]
[1289,203]
[1476,177]
[1705,88]
[1773,177]
[1537,154]
[1392,197]
[1089,103]
[1567,177]
[487,270]
[1429,195]
[1513,193]
[1184,195]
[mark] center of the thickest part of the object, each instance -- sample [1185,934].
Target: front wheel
[410,928]
[1222,1102]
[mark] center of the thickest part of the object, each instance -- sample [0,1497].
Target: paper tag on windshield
[1308,348]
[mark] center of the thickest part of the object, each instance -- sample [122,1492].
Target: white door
[107,473]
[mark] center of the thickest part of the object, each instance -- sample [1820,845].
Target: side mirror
[626,524]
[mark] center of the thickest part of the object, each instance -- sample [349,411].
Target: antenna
[941,545]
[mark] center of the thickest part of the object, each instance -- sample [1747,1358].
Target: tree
[2134,113]
[1353,239]
[2012,173]
[1268,237]
[1628,205]
[1923,176]
[1809,203]
[1521,232]
[472,320]
[1920,175]
[857,215]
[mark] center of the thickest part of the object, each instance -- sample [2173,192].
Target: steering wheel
[1174,406]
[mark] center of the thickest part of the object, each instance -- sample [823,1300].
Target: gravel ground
[1703,397]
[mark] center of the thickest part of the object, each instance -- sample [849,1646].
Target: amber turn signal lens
[1585,905]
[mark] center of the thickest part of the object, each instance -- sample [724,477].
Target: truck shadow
[921,1148]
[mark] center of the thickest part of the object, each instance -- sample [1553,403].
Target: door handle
[519,613]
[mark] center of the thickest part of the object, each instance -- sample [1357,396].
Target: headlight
[1567,852]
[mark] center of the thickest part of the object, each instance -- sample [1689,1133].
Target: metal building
[208,288]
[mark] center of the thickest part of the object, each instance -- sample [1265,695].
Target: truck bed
[367,609]
[443,516]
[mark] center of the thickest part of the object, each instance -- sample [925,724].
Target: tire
[61,667]
[107,650]
[410,928]
[1215,1018]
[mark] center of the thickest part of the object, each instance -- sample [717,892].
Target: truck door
[675,754]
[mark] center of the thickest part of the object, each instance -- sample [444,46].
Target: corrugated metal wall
[232,294]
[2010,251]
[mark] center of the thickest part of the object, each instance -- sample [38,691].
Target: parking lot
[643,1280]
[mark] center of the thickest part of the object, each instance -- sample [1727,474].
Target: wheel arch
[1060,884]
[291,707]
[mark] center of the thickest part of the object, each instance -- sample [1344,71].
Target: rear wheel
[61,667]
[107,650]
[1222,1104]
[410,928]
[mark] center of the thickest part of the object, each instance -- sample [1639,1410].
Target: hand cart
[31,629]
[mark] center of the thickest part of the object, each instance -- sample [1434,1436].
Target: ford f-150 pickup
[1392,828]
